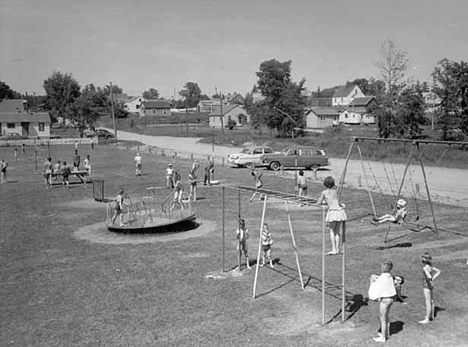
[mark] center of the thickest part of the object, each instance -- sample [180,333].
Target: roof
[364,101]
[12,105]
[226,109]
[14,117]
[122,97]
[156,104]
[325,111]
[343,91]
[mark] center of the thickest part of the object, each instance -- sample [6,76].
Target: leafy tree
[151,93]
[7,93]
[451,79]
[411,109]
[82,113]
[115,89]
[191,94]
[283,97]
[97,96]
[61,90]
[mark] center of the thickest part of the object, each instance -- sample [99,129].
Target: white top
[137,159]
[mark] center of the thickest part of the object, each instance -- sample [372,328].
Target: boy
[242,235]
[138,164]
[118,209]
[65,172]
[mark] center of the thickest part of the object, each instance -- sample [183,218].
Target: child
[398,281]
[430,274]
[169,176]
[16,154]
[208,169]
[242,235]
[48,172]
[138,164]
[336,215]
[76,161]
[302,184]
[267,241]
[192,177]
[397,218]
[258,183]
[177,191]
[65,172]
[3,167]
[118,209]
[383,289]
[87,165]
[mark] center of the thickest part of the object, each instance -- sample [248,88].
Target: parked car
[104,134]
[308,158]
[13,136]
[89,133]
[249,157]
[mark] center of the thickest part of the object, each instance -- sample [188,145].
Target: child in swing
[258,183]
[336,215]
[397,218]
[242,235]
[430,274]
[267,241]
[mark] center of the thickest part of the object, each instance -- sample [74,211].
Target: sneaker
[424,321]
[379,339]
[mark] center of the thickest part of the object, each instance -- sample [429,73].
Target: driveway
[446,185]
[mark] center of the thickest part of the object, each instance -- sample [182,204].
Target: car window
[268,150]
[257,151]
[245,150]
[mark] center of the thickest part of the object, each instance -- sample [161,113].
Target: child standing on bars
[267,241]
[242,235]
[430,274]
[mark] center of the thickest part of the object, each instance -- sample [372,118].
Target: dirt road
[446,185]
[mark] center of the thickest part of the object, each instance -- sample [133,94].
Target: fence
[45,142]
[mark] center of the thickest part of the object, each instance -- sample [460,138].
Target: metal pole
[213,138]
[48,147]
[324,230]
[35,156]
[239,218]
[112,110]
[428,195]
[404,172]
[367,181]
[343,174]
[259,246]
[343,272]
[224,250]
[294,245]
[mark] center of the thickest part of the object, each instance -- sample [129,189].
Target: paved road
[446,185]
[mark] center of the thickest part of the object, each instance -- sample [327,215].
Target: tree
[151,93]
[115,89]
[97,96]
[283,97]
[411,112]
[61,90]
[392,66]
[451,79]
[191,94]
[82,113]
[7,93]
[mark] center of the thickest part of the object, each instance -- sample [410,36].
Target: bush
[231,124]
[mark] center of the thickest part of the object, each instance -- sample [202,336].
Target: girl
[192,177]
[397,218]
[430,274]
[267,241]
[336,215]
[65,172]
[242,235]
[169,176]
[258,183]
[177,191]
[382,288]
[118,209]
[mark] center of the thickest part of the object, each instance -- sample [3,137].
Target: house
[432,101]
[133,106]
[26,124]
[321,117]
[345,94]
[257,97]
[359,111]
[235,99]
[236,113]
[13,105]
[210,105]
[155,108]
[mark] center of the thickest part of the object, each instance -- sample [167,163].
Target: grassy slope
[60,291]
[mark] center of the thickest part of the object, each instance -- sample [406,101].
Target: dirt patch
[98,233]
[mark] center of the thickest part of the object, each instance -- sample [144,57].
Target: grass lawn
[62,285]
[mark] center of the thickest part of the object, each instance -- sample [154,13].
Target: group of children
[61,168]
[174,181]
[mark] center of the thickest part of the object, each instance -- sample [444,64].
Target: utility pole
[112,110]
[221,110]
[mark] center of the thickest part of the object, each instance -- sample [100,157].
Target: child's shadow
[438,309]
[396,327]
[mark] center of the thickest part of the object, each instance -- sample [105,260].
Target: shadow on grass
[396,327]
[398,245]
[438,309]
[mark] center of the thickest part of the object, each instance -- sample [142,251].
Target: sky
[220,44]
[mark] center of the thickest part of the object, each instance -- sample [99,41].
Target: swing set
[288,199]
[416,153]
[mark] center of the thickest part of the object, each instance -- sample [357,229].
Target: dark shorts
[266,247]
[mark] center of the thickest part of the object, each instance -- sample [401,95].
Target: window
[10,125]
[41,126]
[257,151]
[137,106]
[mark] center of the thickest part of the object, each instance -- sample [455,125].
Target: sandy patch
[98,233]
[218,275]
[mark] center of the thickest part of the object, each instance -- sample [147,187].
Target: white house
[26,124]
[345,94]
[359,111]
[321,117]
[432,101]
[236,113]
[133,106]
[155,108]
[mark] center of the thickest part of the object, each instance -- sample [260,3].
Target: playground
[69,281]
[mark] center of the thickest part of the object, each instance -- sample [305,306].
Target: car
[104,134]
[13,136]
[89,133]
[308,158]
[249,157]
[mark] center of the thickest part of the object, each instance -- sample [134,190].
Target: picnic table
[80,174]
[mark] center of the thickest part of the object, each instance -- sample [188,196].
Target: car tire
[275,166]
[314,167]
[250,166]
[240,166]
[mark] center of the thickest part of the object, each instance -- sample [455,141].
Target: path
[446,185]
